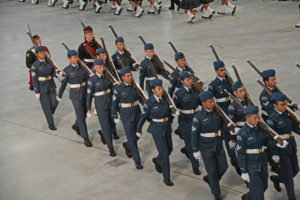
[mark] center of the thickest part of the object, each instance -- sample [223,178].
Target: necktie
[190,90]
[160,101]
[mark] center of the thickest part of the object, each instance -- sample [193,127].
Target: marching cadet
[75,75]
[117,5]
[280,122]
[236,113]
[251,157]
[157,110]
[135,5]
[125,59]
[227,7]
[187,100]
[89,44]
[31,58]
[145,70]
[188,6]
[266,105]
[208,12]
[217,87]
[44,86]
[206,137]
[125,101]
[100,88]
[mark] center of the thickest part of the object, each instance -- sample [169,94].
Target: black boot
[102,137]
[115,135]
[243,197]
[127,150]
[205,178]
[218,197]
[275,183]
[87,142]
[177,132]
[30,87]
[196,171]
[112,153]
[76,128]
[184,151]
[139,166]
[52,127]
[157,166]
[168,182]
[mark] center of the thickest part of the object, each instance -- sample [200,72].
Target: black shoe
[53,4]
[102,137]
[184,151]
[292,198]
[168,182]
[177,132]
[233,11]
[205,178]
[87,142]
[275,169]
[76,128]
[171,8]
[218,197]
[157,166]
[196,171]
[52,127]
[31,87]
[115,135]
[112,153]
[275,183]
[127,150]
[139,166]
[243,197]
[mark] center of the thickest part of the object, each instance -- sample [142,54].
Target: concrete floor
[36,163]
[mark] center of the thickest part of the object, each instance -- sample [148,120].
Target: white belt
[221,100]
[77,85]
[88,60]
[210,135]
[255,151]
[286,136]
[240,123]
[102,92]
[190,111]
[161,120]
[45,78]
[129,105]
[150,78]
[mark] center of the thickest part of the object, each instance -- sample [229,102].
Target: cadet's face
[73,60]
[38,41]
[240,93]
[127,78]
[280,106]
[40,55]
[271,82]
[181,63]
[89,36]
[252,119]
[99,69]
[120,46]
[158,91]
[103,57]
[187,82]
[208,104]
[221,72]
[149,53]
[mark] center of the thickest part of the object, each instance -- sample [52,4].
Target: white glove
[58,74]
[89,114]
[231,144]
[116,121]
[138,134]
[58,99]
[245,177]
[285,143]
[236,130]
[176,114]
[37,95]
[276,158]
[196,155]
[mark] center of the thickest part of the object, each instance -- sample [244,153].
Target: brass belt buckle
[260,150]
[165,119]
[216,134]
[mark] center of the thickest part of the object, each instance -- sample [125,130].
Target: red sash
[91,49]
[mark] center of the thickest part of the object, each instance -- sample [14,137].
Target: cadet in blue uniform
[251,157]
[206,137]
[236,113]
[217,87]
[43,84]
[75,75]
[101,89]
[158,112]
[120,54]
[145,70]
[125,101]
[266,105]
[288,161]
[187,100]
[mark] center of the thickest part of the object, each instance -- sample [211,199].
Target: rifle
[156,58]
[109,61]
[95,39]
[198,86]
[298,65]
[126,51]
[289,100]
[166,95]
[261,122]
[47,57]
[228,77]
[247,97]
[136,86]
[291,113]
